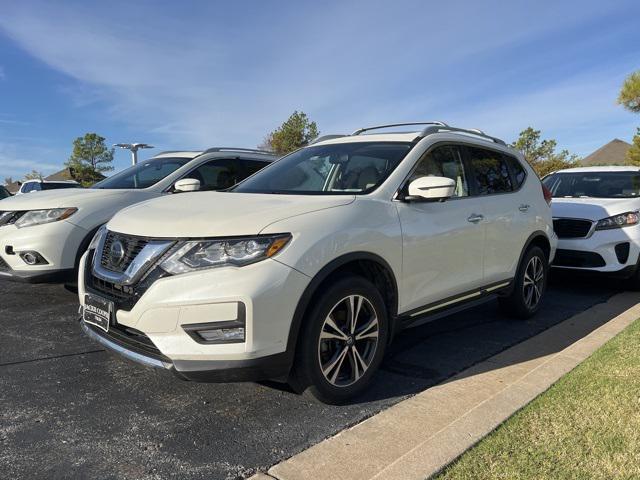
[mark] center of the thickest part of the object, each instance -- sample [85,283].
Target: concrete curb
[419,436]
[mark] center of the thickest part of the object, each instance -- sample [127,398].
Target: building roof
[65,174]
[613,153]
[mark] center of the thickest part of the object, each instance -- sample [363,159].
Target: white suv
[595,215]
[43,236]
[307,269]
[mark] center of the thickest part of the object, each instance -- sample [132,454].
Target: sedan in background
[595,216]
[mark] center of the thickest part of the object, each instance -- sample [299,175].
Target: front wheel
[343,341]
[529,287]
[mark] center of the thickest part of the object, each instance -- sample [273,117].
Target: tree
[296,132]
[8,180]
[90,158]
[541,154]
[633,155]
[629,96]
[34,175]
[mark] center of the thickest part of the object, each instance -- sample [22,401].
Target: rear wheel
[343,341]
[530,285]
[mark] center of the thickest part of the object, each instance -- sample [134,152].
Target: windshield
[353,168]
[143,175]
[594,184]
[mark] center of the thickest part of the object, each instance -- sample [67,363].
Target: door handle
[475,218]
[523,208]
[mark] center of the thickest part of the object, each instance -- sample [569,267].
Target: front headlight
[617,221]
[195,255]
[39,217]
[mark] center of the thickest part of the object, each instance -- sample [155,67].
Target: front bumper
[250,370]
[268,291]
[614,252]
[56,242]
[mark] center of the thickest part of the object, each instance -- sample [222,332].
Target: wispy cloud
[217,72]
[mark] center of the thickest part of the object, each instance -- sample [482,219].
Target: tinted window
[444,161]
[356,167]
[490,171]
[594,184]
[253,166]
[144,174]
[4,193]
[217,174]
[55,186]
[518,171]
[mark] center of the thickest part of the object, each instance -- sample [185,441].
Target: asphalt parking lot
[72,410]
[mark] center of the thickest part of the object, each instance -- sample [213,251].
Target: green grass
[586,426]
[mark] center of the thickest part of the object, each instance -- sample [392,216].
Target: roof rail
[377,127]
[234,149]
[470,131]
[176,151]
[326,137]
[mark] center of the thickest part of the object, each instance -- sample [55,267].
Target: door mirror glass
[187,185]
[431,189]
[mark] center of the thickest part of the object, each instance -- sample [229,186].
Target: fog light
[228,331]
[222,335]
[32,258]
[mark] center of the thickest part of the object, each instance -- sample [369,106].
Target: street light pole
[134,147]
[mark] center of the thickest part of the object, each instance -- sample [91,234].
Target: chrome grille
[132,246]
[572,228]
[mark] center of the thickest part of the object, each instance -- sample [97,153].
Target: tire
[339,365]
[525,299]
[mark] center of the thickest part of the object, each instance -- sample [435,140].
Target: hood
[592,208]
[216,214]
[68,197]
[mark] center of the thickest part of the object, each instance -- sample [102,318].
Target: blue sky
[197,74]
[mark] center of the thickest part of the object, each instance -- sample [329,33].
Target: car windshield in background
[344,168]
[594,184]
[143,175]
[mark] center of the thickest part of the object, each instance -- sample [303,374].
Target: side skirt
[457,303]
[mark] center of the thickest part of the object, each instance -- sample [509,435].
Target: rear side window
[490,171]
[518,171]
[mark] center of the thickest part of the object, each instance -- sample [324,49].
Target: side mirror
[187,185]
[431,189]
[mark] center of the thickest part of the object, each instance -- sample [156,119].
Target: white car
[595,216]
[43,236]
[31,186]
[306,270]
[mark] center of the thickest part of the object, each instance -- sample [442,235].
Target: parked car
[4,193]
[595,216]
[30,186]
[306,270]
[43,236]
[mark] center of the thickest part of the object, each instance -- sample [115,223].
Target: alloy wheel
[348,341]
[533,284]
